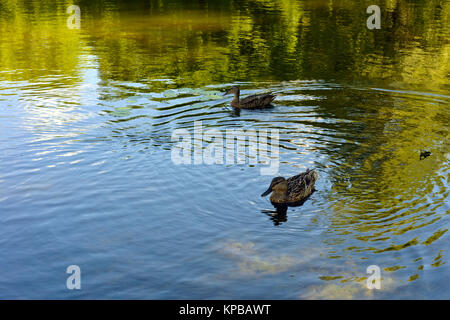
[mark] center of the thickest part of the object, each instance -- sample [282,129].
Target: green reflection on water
[204,42]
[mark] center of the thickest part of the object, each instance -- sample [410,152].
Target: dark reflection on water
[86,175]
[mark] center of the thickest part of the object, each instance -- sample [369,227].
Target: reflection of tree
[201,42]
[35,40]
[263,39]
[381,190]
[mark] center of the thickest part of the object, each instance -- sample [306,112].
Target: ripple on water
[99,179]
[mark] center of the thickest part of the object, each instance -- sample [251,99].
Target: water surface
[86,175]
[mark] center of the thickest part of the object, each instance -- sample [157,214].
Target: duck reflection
[236,112]
[279,215]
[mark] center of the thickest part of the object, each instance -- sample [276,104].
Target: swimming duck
[251,102]
[293,190]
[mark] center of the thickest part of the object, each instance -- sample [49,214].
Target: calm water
[86,176]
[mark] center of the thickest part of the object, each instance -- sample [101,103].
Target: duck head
[233,89]
[278,185]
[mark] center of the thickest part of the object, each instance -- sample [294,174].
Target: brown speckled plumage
[293,190]
[251,102]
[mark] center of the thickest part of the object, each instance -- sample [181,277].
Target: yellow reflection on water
[280,40]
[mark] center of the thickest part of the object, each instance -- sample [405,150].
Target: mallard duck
[251,102]
[293,190]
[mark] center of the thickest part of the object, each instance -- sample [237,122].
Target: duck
[293,190]
[256,101]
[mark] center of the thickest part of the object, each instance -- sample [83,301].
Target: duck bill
[267,192]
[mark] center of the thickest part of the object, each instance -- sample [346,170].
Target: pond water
[86,170]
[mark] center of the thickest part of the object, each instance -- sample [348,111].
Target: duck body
[256,101]
[293,190]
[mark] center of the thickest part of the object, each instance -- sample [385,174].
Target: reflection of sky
[55,107]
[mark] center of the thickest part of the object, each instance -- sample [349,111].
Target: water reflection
[278,216]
